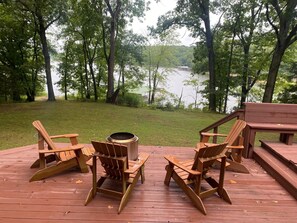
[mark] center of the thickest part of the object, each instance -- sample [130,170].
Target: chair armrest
[64,136]
[200,145]
[205,136]
[175,162]
[70,148]
[235,147]
[142,158]
[133,169]
[209,134]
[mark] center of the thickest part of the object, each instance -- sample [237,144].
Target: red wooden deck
[256,197]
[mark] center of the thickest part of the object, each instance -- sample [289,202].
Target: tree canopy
[245,48]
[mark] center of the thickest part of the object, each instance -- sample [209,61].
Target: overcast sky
[151,18]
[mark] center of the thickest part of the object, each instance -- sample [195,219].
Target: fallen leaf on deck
[232,181]
[78,181]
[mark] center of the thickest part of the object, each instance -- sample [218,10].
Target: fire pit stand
[128,139]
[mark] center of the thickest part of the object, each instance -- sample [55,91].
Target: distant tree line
[249,53]
[94,41]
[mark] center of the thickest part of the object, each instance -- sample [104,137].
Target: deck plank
[255,196]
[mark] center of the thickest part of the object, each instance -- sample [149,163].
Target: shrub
[130,100]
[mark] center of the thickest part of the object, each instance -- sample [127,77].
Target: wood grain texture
[256,197]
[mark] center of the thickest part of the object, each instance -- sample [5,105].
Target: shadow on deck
[256,196]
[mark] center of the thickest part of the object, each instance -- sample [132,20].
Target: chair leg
[142,176]
[81,161]
[90,196]
[190,193]
[48,159]
[53,170]
[237,167]
[214,184]
[93,191]
[126,195]
[169,169]
[221,191]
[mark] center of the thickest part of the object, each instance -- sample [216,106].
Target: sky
[151,18]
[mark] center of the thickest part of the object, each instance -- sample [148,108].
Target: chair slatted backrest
[113,158]
[44,136]
[235,131]
[206,156]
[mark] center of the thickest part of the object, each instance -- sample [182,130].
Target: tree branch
[270,22]
[51,22]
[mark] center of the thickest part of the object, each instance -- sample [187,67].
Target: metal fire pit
[128,139]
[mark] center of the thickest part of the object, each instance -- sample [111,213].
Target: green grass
[96,121]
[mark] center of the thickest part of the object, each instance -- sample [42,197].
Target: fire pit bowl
[128,139]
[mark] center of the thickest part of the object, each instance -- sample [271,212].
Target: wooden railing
[239,114]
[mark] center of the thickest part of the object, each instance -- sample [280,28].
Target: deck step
[280,155]
[277,169]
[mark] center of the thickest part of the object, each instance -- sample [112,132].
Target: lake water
[175,84]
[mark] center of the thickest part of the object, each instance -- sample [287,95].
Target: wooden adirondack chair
[118,169]
[190,173]
[235,145]
[53,160]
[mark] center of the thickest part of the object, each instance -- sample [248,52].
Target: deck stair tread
[277,169]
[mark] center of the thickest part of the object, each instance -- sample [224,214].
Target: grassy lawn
[96,121]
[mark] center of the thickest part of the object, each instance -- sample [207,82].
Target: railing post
[215,138]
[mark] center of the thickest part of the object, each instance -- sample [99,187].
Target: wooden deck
[256,197]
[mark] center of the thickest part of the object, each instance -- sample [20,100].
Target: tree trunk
[82,89]
[47,61]
[111,95]
[272,74]
[150,87]
[180,99]
[154,88]
[211,61]
[286,35]
[30,96]
[88,94]
[34,74]
[65,85]
[229,72]
[244,84]
[123,79]
[150,79]
[94,80]
[110,64]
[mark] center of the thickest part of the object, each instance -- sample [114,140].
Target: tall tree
[116,14]
[45,13]
[159,60]
[244,19]
[20,56]
[130,59]
[282,16]
[191,13]
[82,26]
